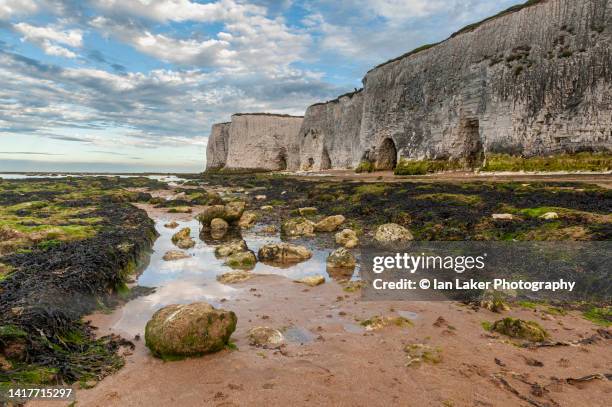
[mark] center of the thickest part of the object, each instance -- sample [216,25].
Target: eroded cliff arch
[386,155]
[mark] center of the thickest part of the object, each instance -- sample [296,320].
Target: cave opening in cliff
[386,156]
[470,135]
[325,160]
[281,161]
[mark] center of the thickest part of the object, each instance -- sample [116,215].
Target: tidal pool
[194,279]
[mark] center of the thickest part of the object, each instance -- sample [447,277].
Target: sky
[135,85]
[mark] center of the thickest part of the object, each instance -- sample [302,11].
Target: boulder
[550,216]
[518,328]
[242,260]
[347,238]
[189,330]
[267,208]
[233,211]
[260,197]
[330,223]
[175,255]
[502,216]
[312,281]
[341,258]
[308,211]
[219,225]
[263,336]
[226,250]
[182,239]
[247,219]
[392,232]
[171,225]
[234,277]
[269,230]
[296,227]
[283,253]
[211,212]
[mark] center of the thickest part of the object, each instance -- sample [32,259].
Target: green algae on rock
[189,330]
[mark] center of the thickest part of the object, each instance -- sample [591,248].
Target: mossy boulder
[234,277]
[247,219]
[308,211]
[392,233]
[417,353]
[520,329]
[296,227]
[189,330]
[171,225]
[242,260]
[347,238]
[330,223]
[227,249]
[341,258]
[283,253]
[234,211]
[182,239]
[312,281]
[211,212]
[172,255]
[218,228]
[263,336]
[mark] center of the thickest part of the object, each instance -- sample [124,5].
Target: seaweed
[52,285]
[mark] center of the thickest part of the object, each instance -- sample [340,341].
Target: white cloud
[48,38]
[9,8]
[73,38]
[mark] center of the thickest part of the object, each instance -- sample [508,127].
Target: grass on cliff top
[561,162]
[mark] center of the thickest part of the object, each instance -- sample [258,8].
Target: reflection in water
[194,278]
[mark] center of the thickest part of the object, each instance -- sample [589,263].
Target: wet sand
[330,360]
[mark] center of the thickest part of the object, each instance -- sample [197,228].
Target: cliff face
[330,133]
[261,141]
[216,150]
[535,80]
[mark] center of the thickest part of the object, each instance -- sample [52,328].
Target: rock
[518,328]
[312,281]
[378,322]
[171,225]
[502,216]
[226,250]
[296,227]
[234,277]
[283,253]
[330,223]
[347,238]
[189,330]
[269,230]
[392,232]
[218,228]
[247,219]
[308,211]
[233,211]
[180,209]
[5,365]
[263,336]
[182,239]
[550,216]
[175,255]
[417,353]
[341,258]
[242,260]
[260,197]
[267,208]
[211,212]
